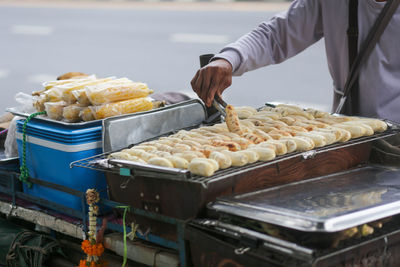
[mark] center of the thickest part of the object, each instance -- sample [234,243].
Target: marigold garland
[92,249]
[84,263]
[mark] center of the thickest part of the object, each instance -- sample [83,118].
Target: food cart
[301,208]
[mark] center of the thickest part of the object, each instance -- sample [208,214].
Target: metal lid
[324,204]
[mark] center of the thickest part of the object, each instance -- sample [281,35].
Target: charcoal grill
[307,218]
[178,194]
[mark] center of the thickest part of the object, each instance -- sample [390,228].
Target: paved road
[155,43]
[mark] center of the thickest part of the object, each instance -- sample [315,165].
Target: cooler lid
[71,138]
[325,204]
[59,140]
[59,130]
[55,133]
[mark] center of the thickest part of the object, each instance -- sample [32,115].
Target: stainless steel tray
[324,204]
[122,131]
[138,169]
[18,112]
[101,162]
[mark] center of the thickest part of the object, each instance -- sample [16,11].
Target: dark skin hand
[212,80]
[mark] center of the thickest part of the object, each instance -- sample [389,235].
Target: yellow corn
[67,90]
[86,114]
[53,95]
[54,110]
[81,97]
[122,107]
[48,85]
[71,113]
[38,103]
[117,92]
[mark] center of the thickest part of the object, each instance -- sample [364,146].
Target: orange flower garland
[92,249]
[84,263]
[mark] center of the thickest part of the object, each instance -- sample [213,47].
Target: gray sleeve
[278,39]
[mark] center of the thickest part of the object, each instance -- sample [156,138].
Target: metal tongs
[218,103]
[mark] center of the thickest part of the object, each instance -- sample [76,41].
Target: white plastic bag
[10,144]
[25,102]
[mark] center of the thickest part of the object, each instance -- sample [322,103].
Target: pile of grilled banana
[249,136]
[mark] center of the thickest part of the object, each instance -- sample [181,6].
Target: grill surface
[100,162]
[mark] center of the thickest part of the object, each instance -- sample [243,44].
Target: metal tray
[102,163]
[325,204]
[19,112]
[129,168]
[117,131]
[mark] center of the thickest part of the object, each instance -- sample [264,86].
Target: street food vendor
[303,24]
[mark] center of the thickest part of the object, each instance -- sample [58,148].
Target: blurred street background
[154,42]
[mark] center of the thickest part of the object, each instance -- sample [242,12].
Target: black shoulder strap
[352,41]
[366,47]
[352,31]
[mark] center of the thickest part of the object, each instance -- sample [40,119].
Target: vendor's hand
[212,79]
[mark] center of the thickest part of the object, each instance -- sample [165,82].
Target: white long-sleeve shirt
[307,21]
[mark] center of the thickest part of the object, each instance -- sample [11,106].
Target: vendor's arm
[212,80]
[278,39]
[274,41]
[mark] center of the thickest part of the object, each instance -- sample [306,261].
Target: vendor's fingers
[220,82]
[210,94]
[202,84]
[207,87]
[195,82]
[222,85]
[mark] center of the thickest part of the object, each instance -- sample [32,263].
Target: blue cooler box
[50,148]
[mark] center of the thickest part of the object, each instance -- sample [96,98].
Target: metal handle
[241,251]
[205,59]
